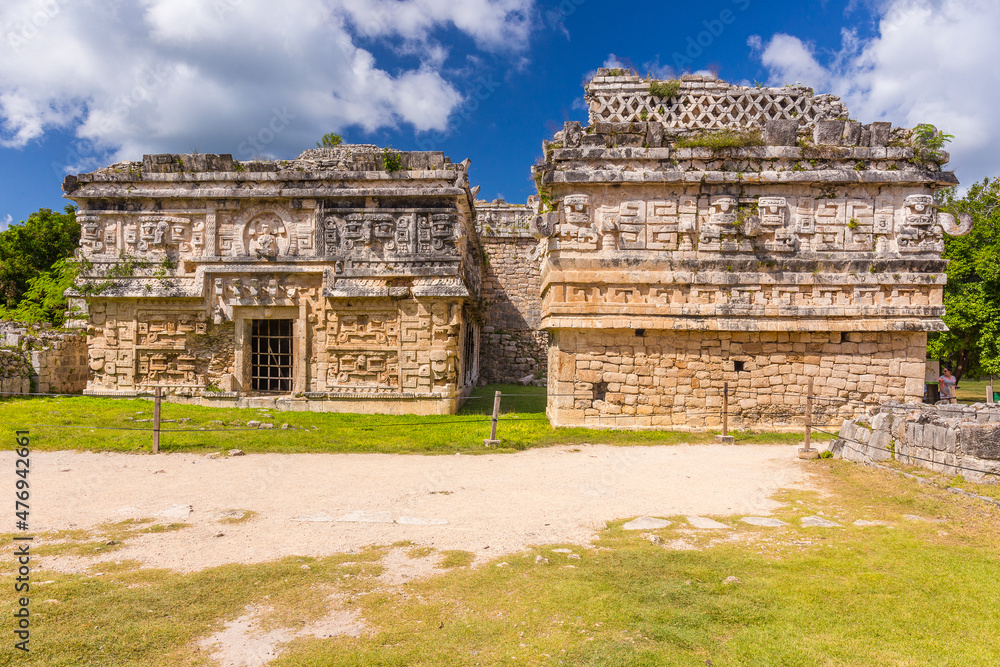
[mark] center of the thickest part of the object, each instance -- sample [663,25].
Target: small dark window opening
[271,356]
[639,333]
[470,352]
[738,366]
[600,391]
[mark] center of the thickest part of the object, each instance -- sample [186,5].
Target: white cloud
[6,222]
[240,76]
[614,62]
[789,60]
[933,61]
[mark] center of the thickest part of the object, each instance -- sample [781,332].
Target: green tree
[45,300]
[31,248]
[329,140]
[972,295]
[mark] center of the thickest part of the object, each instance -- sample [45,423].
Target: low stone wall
[935,437]
[15,372]
[513,356]
[37,359]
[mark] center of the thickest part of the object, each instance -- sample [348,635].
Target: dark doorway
[271,356]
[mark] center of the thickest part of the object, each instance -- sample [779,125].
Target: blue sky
[84,83]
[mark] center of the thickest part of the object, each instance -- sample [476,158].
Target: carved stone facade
[324,283]
[812,249]
[518,348]
[662,267]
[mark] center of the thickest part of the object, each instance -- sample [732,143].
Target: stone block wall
[35,359]
[938,438]
[513,347]
[649,379]
[15,372]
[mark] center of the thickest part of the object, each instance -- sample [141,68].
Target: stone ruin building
[811,248]
[693,234]
[345,279]
[515,347]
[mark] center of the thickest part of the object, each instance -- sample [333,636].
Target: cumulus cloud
[242,76]
[6,221]
[932,61]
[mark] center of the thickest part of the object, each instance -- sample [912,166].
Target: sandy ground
[490,505]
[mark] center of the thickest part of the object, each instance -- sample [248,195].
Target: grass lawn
[921,590]
[80,423]
[974,391]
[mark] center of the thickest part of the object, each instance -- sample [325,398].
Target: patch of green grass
[67,423]
[417,553]
[916,593]
[456,558]
[722,139]
[101,539]
[163,528]
[238,516]
[974,391]
[664,89]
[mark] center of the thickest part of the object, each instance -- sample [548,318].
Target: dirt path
[489,505]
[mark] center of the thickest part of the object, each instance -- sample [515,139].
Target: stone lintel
[269,191]
[823,177]
[818,325]
[826,153]
[713,276]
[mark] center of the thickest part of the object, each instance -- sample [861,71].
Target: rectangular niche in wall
[271,356]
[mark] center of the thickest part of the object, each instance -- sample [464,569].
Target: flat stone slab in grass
[417,521]
[322,517]
[914,517]
[646,523]
[819,522]
[764,521]
[705,523]
[176,512]
[864,523]
[367,517]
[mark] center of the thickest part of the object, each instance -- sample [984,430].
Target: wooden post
[496,416]
[157,395]
[725,437]
[725,408]
[807,452]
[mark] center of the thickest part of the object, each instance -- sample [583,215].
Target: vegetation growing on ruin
[391,161]
[723,139]
[664,89]
[329,140]
[929,142]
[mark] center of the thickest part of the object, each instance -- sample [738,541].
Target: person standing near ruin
[946,385]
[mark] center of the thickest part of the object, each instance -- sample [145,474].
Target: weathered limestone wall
[37,360]
[514,348]
[371,256]
[618,378]
[731,222]
[933,437]
[15,372]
